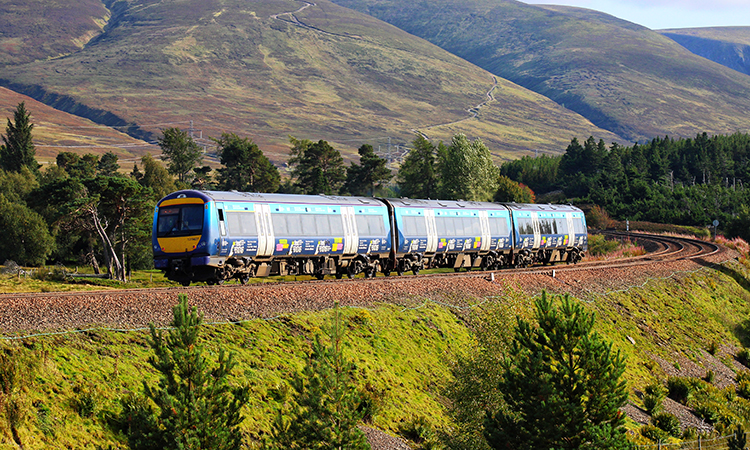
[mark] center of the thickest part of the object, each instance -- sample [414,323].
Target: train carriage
[444,233]
[244,234]
[545,234]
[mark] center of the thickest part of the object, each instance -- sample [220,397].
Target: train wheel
[415,270]
[339,274]
[220,281]
[456,269]
[319,276]
[244,278]
[387,272]
[185,283]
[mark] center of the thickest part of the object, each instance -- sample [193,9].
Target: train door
[537,230]
[351,237]
[484,221]
[266,241]
[432,237]
[222,226]
[571,229]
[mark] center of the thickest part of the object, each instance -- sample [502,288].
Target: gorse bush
[679,389]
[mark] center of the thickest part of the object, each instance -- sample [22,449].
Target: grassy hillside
[684,325]
[56,131]
[728,46]
[623,77]
[40,29]
[274,68]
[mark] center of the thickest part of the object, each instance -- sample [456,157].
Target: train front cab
[180,241]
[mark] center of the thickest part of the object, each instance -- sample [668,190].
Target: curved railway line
[135,308]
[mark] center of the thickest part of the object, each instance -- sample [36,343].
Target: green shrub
[654,433]
[679,389]
[667,422]
[653,397]
[713,347]
[707,412]
[710,377]
[743,357]
[599,245]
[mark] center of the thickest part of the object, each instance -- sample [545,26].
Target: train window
[476,226]
[294,225]
[184,220]
[562,226]
[337,225]
[499,226]
[525,226]
[578,225]
[368,225]
[547,226]
[414,226]
[241,223]
[280,227]
[440,226]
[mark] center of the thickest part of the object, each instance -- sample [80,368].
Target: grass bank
[70,384]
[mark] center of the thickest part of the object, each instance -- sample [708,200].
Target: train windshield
[184,220]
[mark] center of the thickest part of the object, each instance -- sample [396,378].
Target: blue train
[213,236]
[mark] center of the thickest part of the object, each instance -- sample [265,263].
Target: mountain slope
[728,46]
[623,77]
[272,68]
[39,29]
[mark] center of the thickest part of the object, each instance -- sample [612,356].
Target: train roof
[236,196]
[410,203]
[541,207]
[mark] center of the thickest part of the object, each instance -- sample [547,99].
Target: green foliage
[26,238]
[680,389]
[369,175]
[654,433]
[18,151]
[417,176]
[562,384]
[318,167]
[667,422]
[510,191]
[246,168]
[738,439]
[182,153]
[325,410]
[108,165]
[473,392]
[653,398]
[156,177]
[467,171]
[539,174]
[197,407]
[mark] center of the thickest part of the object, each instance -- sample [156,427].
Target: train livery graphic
[214,236]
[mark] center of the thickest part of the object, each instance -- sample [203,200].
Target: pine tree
[371,173]
[562,385]
[246,168]
[318,167]
[325,413]
[417,177]
[197,408]
[18,150]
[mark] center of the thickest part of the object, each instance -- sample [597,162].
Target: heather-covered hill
[622,76]
[273,68]
[728,46]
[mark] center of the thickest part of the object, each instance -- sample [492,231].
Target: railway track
[134,308]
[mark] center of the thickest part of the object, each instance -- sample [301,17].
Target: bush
[599,245]
[710,376]
[653,398]
[679,389]
[667,422]
[743,357]
[654,433]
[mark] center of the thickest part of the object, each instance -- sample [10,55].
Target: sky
[661,14]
